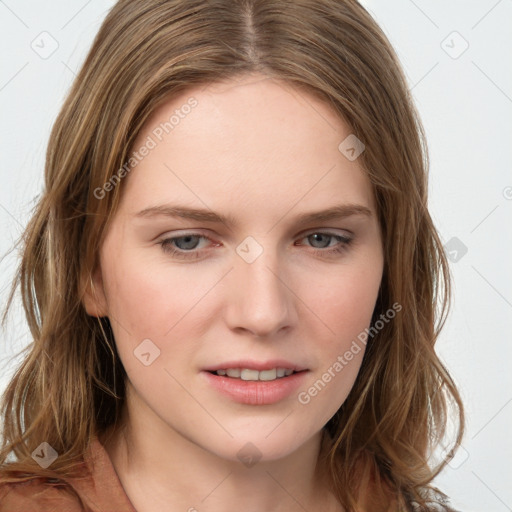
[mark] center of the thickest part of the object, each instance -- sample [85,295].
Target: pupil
[187,243]
[320,235]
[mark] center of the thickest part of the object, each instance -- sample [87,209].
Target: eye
[183,246]
[186,246]
[324,239]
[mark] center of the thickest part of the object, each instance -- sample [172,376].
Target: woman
[232,275]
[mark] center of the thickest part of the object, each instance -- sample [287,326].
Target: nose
[259,300]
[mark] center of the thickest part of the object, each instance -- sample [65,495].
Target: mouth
[256,383]
[255,375]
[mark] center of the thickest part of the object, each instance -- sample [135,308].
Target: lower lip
[256,392]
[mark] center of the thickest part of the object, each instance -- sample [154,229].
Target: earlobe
[93,295]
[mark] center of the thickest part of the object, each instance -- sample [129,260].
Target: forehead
[246,143]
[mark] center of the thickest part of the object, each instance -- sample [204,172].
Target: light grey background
[464,96]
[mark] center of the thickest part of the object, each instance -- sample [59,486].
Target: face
[218,269]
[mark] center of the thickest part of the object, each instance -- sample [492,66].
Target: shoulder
[90,485]
[38,495]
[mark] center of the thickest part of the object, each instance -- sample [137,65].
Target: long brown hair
[70,385]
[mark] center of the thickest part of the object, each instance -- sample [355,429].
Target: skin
[262,152]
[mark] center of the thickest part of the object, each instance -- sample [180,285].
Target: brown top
[100,492]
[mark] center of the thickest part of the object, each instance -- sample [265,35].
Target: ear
[93,296]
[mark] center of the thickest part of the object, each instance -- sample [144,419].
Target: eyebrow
[205,215]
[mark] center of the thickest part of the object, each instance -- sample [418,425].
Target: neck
[160,469]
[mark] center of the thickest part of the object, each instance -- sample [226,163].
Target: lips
[256,383]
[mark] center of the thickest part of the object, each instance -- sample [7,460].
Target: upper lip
[256,365]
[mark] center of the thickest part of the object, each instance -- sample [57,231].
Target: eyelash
[195,254]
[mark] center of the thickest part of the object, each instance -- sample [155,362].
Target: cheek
[138,300]
[148,312]
[345,300]
[345,304]
[147,298]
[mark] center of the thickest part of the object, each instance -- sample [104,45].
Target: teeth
[268,374]
[248,374]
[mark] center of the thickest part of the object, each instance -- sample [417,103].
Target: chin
[264,444]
